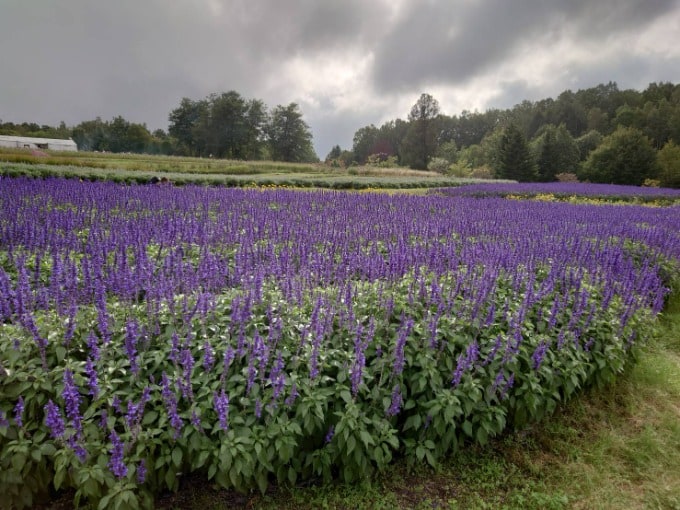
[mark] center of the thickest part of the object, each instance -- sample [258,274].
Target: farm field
[140,169]
[258,338]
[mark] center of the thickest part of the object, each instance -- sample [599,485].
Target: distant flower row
[560,188]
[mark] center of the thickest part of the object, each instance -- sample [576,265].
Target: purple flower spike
[329,434]
[397,401]
[19,412]
[141,471]
[72,400]
[538,355]
[54,420]
[221,403]
[116,464]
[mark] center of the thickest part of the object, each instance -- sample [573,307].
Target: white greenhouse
[24,142]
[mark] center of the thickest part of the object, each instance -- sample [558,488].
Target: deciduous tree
[289,136]
[624,157]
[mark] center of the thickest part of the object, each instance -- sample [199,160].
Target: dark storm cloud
[77,59]
[445,42]
[348,63]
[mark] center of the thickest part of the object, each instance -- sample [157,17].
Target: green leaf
[351,444]
[467,427]
[366,438]
[177,456]
[18,461]
[60,350]
[170,478]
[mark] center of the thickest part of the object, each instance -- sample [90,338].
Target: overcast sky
[347,63]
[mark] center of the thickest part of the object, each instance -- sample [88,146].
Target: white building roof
[27,139]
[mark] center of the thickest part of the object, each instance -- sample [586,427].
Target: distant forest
[599,134]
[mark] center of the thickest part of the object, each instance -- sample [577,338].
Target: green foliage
[624,157]
[293,441]
[420,142]
[439,165]
[515,159]
[557,153]
[289,137]
[669,166]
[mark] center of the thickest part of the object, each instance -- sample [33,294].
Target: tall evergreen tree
[557,153]
[515,159]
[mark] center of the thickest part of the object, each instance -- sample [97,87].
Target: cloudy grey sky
[347,63]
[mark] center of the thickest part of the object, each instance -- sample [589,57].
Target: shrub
[440,165]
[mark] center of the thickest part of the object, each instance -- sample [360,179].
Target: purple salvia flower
[72,401]
[208,356]
[131,339]
[538,355]
[509,383]
[187,363]
[93,345]
[92,379]
[221,404]
[589,344]
[277,378]
[77,448]
[494,350]
[294,394]
[329,434]
[4,422]
[103,420]
[116,464]
[19,412]
[397,401]
[135,412]
[174,349]
[116,403]
[258,408]
[141,471]
[461,367]
[498,382]
[170,401]
[195,419]
[465,362]
[359,361]
[54,420]
[252,373]
[229,355]
[404,332]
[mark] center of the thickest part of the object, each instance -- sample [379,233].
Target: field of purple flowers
[271,336]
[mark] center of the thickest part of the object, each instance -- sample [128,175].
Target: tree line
[600,134]
[223,125]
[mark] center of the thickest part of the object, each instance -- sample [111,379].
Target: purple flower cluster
[19,412]
[221,403]
[116,461]
[54,420]
[559,188]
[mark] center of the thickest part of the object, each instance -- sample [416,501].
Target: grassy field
[615,448]
[141,168]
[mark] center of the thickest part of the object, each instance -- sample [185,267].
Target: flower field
[565,189]
[257,337]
